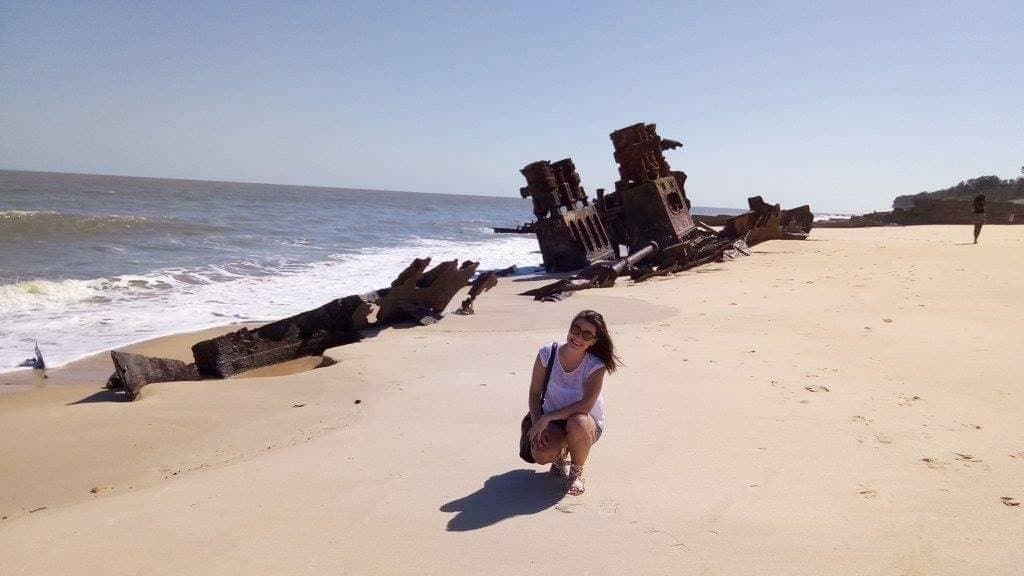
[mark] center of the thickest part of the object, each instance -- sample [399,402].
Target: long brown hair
[603,346]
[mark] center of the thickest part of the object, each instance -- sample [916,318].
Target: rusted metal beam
[769,222]
[597,275]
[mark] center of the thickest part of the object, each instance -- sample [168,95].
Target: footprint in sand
[882,438]
[608,507]
[933,463]
[966,457]
[568,507]
[816,388]
[676,542]
[868,493]
[907,401]
[1009,501]
[861,420]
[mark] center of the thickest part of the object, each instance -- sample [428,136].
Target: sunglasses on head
[576,330]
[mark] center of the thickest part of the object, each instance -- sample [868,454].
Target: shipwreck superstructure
[648,213]
[568,228]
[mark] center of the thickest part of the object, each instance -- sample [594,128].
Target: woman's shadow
[514,493]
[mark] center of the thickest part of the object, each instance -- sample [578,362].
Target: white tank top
[564,388]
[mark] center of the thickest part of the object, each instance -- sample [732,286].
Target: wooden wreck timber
[416,295]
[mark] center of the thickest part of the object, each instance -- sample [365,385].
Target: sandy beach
[849,404]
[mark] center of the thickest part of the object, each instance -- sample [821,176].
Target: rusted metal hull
[133,371]
[307,334]
[768,222]
[484,282]
[572,240]
[655,211]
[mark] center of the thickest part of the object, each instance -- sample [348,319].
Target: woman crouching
[568,417]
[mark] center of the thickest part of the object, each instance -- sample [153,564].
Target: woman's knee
[579,426]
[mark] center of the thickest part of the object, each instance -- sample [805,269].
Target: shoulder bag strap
[547,374]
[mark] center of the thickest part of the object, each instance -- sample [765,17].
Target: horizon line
[318,186]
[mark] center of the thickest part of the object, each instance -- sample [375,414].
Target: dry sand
[846,405]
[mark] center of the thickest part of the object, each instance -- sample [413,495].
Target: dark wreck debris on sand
[417,295]
[648,207]
[133,371]
[420,296]
[483,283]
[768,222]
[597,275]
[305,334]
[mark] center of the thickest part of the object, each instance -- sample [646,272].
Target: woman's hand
[537,431]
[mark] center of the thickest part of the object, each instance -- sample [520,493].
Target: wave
[44,224]
[33,296]
[74,318]
[38,294]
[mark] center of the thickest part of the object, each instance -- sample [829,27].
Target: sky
[842,105]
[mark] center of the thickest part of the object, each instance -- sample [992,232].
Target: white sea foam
[822,217]
[74,318]
[24,214]
[49,214]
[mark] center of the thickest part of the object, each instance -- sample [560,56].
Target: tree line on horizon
[994,188]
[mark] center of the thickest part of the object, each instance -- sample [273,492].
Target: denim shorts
[561,425]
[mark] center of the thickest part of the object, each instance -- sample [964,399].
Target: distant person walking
[979,215]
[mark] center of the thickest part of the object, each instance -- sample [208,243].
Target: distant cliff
[995,190]
[927,210]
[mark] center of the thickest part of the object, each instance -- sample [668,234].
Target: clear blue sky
[843,105]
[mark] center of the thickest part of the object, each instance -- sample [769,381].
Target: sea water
[89,263]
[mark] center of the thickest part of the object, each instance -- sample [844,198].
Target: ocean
[89,263]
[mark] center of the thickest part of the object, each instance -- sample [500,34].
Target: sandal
[575,479]
[558,466]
